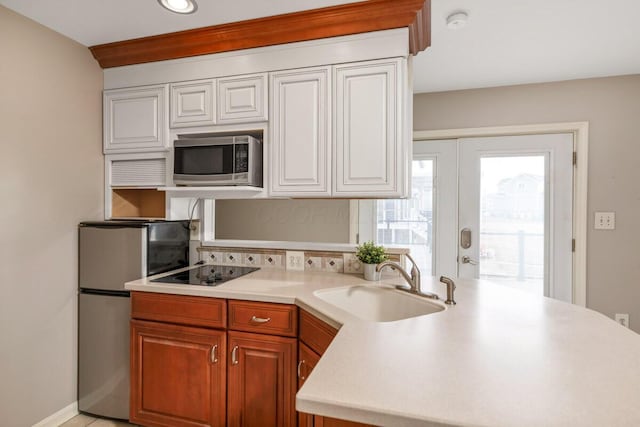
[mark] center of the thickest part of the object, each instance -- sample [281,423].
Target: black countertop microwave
[217,160]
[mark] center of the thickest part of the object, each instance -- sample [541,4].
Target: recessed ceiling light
[457,20]
[179,6]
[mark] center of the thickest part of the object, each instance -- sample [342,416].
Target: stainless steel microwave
[217,160]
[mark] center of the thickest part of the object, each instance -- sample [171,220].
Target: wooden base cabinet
[261,380]
[315,337]
[178,375]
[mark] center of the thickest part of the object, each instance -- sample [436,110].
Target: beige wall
[612,108]
[51,177]
[324,221]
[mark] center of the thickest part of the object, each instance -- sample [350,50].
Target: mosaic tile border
[329,262]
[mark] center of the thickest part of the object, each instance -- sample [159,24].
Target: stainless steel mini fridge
[110,254]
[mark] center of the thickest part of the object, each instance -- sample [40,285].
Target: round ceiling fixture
[457,20]
[179,6]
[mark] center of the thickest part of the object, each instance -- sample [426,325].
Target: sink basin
[377,303]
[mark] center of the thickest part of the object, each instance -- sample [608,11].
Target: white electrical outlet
[622,318]
[295,260]
[605,221]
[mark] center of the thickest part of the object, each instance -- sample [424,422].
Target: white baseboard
[63,415]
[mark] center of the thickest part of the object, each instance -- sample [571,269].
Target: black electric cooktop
[207,275]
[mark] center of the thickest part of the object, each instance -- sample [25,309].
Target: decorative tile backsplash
[333,262]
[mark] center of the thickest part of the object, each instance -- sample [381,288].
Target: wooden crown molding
[352,18]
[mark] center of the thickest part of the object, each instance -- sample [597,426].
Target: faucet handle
[413,261]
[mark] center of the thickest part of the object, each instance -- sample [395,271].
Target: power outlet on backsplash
[295,261]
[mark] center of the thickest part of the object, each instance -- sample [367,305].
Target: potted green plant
[371,255]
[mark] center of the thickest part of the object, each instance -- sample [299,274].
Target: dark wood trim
[353,18]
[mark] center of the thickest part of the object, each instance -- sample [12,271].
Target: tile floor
[85,420]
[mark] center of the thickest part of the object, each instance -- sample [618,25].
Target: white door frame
[580,131]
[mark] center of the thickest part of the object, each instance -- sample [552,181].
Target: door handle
[234,355]
[300,363]
[468,260]
[465,238]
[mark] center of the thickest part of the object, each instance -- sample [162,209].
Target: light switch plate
[295,261]
[605,221]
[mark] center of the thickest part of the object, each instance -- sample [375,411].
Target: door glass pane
[512,221]
[409,222]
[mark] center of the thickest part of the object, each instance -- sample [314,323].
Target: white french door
[494,208]
[515,212]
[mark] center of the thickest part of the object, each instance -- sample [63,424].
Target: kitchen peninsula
[500,357]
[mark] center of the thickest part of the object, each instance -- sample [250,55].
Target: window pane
[409,222]
[512,216]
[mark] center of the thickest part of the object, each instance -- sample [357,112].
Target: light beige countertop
[500,357]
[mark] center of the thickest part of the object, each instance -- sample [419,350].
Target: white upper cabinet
[242,99]
[300,155]
[372,144]
[135,119]
[193,103]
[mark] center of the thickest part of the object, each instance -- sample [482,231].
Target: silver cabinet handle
[214,351]
[234,355]
[300,363]
[467,260]
[255,319]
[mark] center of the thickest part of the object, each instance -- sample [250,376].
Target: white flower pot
[370,272]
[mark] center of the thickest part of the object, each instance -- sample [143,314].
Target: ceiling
[505,42]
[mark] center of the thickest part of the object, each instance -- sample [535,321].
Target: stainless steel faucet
[413,280]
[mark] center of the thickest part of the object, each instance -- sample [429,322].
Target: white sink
[378,303]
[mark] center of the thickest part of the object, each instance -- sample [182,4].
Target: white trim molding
[60,417]
[580,131]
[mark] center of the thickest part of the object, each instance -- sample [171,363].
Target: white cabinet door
[371,144]
[135,119]
[300,147]
[242,99]
[193,104]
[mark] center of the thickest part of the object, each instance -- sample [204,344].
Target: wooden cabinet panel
[334,422]
[261,380]
[264,318]
[193,103]
[300,132]
[242,99]
[178,375]
[369,129]
[135,119]
[315,333]
[186,310]
[307,360]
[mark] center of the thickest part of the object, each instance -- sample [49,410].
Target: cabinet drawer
[315,333]
[184,310]
[263,318]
